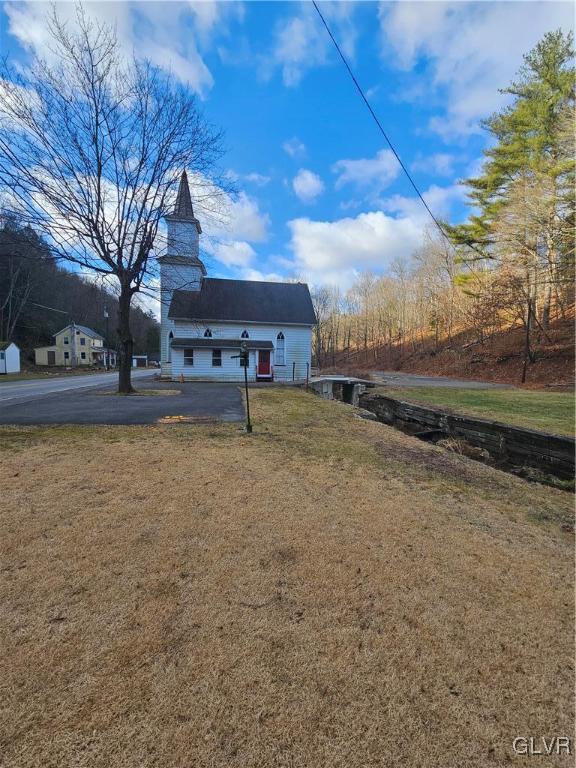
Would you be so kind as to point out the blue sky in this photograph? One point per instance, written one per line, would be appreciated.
(320, 196)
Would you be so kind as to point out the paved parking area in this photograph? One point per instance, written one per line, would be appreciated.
(99, 405)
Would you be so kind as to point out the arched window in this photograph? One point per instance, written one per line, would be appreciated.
(207, 333)
(169, 354)
(279, 357)
(244, 335)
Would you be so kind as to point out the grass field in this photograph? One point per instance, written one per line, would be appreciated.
(325, 592)
(545, 411)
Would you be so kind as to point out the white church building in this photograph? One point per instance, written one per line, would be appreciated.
(204, 319)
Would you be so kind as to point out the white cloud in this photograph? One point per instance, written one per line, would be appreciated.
(469, 50)
(334, 252)
(440, 164)
(307, 185)
(374, 173)
(145, 29)
(245, 220)
(439, 199)
(295, 148)
(301, 42)
(239, 223)
(234, 253)
(267, 277)
(257, 178)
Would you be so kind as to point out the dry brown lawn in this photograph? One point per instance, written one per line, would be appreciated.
(324, 592)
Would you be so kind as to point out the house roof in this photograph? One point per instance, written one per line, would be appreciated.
(245, 301)
(85, 330)
(179, 343)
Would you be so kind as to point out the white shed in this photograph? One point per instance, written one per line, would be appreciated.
(9, 357)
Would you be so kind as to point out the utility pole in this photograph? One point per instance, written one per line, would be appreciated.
(107, 353)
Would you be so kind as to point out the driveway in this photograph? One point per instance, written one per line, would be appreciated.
(32, 389)
(98, 404)
(399, 379)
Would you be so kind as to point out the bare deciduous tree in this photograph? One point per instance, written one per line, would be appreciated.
(91, 150)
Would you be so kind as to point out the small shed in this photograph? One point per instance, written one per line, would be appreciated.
(9, 357)
(139, 361)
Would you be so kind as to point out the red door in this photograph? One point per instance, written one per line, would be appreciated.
(263, 362)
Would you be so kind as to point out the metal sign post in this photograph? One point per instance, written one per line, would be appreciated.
(244, 357)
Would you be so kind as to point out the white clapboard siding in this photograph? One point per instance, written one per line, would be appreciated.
(297, 349)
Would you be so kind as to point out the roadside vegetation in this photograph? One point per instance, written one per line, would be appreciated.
(545, 411)
(325, 591)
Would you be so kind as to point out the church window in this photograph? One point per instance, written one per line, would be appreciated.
(216, 358)
(279, 356)
(207, 333)
(188, 357)
(169, 352)
(244, 335)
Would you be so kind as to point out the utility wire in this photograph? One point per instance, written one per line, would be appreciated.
(382, 131)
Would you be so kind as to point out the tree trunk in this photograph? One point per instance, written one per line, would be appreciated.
(126, 342)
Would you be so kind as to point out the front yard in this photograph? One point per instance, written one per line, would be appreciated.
(324, 592)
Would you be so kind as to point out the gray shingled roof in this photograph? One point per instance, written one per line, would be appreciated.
(245, 301)
(183, 207)
(179, 343)
(85, 330)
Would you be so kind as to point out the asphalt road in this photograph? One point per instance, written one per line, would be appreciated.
(399, 379)
(33, 389)
(97, 403)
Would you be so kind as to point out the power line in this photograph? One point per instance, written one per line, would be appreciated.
(382, 131)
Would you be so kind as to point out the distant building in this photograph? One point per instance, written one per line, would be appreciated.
(204, 320)
(9, 357)
(74, 346)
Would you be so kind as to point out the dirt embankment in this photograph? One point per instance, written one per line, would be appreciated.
(499, 358)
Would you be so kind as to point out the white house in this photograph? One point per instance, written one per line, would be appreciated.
(204, 320)
(9, 357)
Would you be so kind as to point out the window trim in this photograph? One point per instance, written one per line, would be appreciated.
(244, 334)
(216, 358)
(82, 341)
(83, 355)
(66, 340)
(189, 355)
(282, 348)
(208, 333)
(169, 350)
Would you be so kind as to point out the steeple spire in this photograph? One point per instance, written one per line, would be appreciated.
(183, 208)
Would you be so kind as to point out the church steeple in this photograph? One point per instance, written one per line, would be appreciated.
(183, 209)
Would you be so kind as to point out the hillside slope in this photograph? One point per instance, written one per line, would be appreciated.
(499, 358)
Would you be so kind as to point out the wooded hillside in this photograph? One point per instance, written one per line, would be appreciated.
(38, 297)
